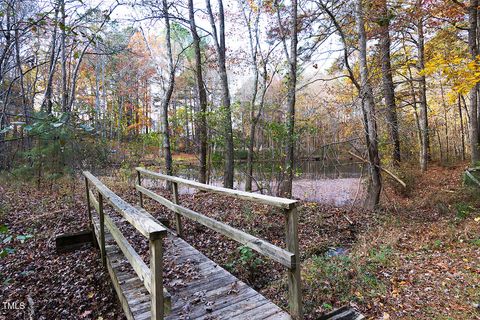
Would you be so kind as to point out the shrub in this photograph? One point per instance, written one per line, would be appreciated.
(59, 147)
(463, 210)
(407, 175)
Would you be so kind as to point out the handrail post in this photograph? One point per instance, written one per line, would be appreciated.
(294, 278)
(102, 229)
(156, 271)
(139, 179)
(178, 217)
(89, 208)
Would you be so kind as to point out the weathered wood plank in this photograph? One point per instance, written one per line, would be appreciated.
(140, 195)
(138, 265)
(71, 241)
(343, 313)
(260, 312)
(472, 177)
(133, 289)
(294, 277)
(278, 254)
(115, 281)
(93, 201)
(102, 230)
(156, 267)
(89, 209)
(178, 217)
(221, 294)
(255, 197)
(144, 225)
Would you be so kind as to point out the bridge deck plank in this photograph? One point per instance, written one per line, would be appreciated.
(212, 293)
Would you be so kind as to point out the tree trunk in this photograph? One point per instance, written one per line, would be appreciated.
(472, 45)
(253, 41)
(368, 107)
(202, 96)
(286, 186)
(388, 87)
(168, 92)
(47, 103)
(63, 39)
(221, 57)
(425, 146)
(445, 118)
(462, 130)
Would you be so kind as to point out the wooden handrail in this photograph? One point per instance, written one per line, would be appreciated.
(152, 277)
(261, 246)
(289, 257)
(143, 224)
(255, 197)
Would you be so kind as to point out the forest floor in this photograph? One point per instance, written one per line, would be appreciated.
(417, 258)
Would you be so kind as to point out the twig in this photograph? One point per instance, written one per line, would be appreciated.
(396, 178)
(358, 189)
(31, 308)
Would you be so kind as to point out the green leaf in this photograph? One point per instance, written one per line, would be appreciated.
(24, 237)
(6, 129)
(6, 251)
(7, 239)
(86, 127)
(3, 229)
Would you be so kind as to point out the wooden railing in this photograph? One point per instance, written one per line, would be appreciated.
(288, 257)
(152, 277)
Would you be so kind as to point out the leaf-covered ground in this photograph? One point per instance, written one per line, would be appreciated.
(41, 283)
(419, 258)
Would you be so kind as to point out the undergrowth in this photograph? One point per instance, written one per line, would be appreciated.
(333, 281)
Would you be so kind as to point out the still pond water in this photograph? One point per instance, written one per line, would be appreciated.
(337, 184)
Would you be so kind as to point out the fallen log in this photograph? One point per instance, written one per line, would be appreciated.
(391, 174)
(343, 313)
(472, 177)
(71, 241)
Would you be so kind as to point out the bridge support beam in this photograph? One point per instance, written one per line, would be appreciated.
(294, 278)
(156, 268)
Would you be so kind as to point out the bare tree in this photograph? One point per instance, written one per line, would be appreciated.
(219, 41)
(425, 145)
(473, 48)
(202, 95)
(368, 107)
(47, 103)
(387, 79)
(291, 54)
(168, 91)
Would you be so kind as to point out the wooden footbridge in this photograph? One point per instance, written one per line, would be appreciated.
(212, 292)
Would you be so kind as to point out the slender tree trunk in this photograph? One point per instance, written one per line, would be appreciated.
(168, 92)
(219, 40)
(445, 118)
(366, 94)
(253, 41)
(472, 45)
(425, 146)
(25, 102)
(462, 130)
(202, 96)
(287, 182)
(388, 87)
(47, 101)
(63, 39)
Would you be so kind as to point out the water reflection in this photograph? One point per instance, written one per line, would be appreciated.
(337, 184)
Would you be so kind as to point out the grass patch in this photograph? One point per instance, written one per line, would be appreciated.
(340, 279)
(463, 210)
(476, 242)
